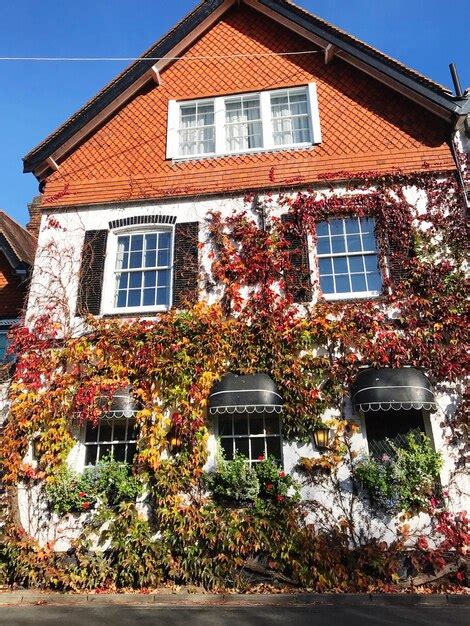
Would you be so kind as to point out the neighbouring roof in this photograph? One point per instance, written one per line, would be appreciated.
(349, 47)
(21, 243)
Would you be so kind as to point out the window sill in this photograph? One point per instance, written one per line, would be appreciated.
(226, 155)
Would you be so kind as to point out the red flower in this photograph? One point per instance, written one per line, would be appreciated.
(279, 498)
(261, 457)
(85, 506)
(282, 474)
(269, 486)
(82, 494)
(423, 543)
(460, 576)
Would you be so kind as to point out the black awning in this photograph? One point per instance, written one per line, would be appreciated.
(392, 389)
(245, 394)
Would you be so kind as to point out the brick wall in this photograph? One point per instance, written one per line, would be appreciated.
(365, 125)
(13, 290)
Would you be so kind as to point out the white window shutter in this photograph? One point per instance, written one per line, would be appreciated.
(314, 113)
(172, 130)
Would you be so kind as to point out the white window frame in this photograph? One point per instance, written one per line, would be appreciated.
(5, 326)
(350, 295)
(130, 421)
(109, 284)
(174, 107)
(264, 436)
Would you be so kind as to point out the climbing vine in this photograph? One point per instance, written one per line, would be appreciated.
(311, 350)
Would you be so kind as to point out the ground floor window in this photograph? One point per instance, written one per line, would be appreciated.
(111, 437)
(253, 435)
(384, 427)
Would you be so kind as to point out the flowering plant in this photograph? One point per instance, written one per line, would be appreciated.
(404, 480)
(275, 484)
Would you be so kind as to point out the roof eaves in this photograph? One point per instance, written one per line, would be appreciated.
(399, 72)
(19, 240)
(124, 80)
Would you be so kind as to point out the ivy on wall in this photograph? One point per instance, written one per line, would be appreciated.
(311, 351)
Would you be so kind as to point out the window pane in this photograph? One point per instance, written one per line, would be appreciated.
(242, 446)
(257, 447)
(227, 447)
(225, 426)
(337, 227)
(274, 447)
(150, 279)
(354, 243)
(119, 452)
(256, 426)
(131, 452)
(325, 266)
(119, 433)
(356, 263)
(149, 297)
(163, 296)
(137, 243)
(90, 455)
(240, 424)
(121, 299)
(104, 451)
(3, 346)
(273, 425)
(105, 430)
(151, 242)
(163, 258)
(368, 242)
(151, 258)
(367, 224)
(352, 225)
(134, 298)
(322, 229)
(135, 280)
(132, 430)
(163, 278)
(323, 246)
(358, 282)
(340, 265)
(371, 262)
(338, 245)
(374, 282)
(91, 432)
(342, 284)
(135, 260)
(326, 284)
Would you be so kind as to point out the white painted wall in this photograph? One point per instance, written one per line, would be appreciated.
(54, 289)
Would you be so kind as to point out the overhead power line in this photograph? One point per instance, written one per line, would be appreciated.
(176, 58)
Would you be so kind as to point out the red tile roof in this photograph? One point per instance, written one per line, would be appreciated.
(365, 125)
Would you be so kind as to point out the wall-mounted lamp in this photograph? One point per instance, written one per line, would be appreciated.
(322, 436)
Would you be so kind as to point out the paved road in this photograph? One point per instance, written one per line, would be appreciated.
(234, 616)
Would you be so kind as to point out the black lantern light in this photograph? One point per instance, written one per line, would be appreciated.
(322, 436)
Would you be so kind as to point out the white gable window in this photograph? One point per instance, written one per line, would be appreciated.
(196, 129)
(139, 274)
(269, 120)
(348, 258)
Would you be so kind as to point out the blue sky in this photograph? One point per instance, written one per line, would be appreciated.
(36, 96)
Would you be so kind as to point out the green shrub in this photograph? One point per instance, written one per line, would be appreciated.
(233, 480)
(71, 492)
(274, 483)
(405, 480)
(110, 482)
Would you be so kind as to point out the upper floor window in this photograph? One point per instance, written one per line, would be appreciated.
(3, 345)
(348, 258)
(269, 120)
(140, 268)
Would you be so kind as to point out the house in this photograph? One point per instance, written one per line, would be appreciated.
(248, 104)
(17, 249)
